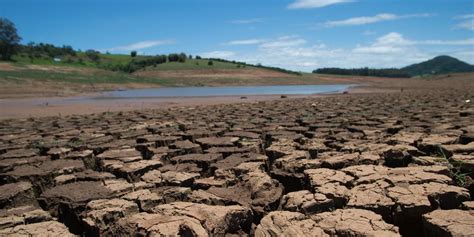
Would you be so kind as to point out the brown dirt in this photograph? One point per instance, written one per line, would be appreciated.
(214, 73)
(358, 164)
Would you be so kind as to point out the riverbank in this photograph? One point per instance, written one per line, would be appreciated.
(40, 106)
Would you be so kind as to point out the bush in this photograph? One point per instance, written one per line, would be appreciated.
(182, 57)
(173, 57)
(93, 55)
(210, 63)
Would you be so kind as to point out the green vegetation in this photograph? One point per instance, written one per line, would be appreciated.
(9, 39)
(391, 72)
(47, 54)
(438, 65)
(435, 66)
(98, 76)
(257, 66)
(459, 177)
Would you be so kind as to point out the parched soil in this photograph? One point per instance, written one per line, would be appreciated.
(379, 164)
(250, 73)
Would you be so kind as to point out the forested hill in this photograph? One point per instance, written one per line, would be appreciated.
(436, 66)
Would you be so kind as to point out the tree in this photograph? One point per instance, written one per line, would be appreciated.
(182, 57)
(173, 57)
(93, 55)
(133, 53)
(9, 39)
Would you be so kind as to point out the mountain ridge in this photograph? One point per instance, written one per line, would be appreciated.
(439, 65)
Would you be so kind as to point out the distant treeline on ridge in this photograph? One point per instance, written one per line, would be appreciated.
(256, 65)
(389, 72)
(439, 65)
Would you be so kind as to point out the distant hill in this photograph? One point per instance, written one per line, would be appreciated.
(438, 65)
(48, 54)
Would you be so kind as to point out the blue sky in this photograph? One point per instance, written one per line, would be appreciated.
(295, 34)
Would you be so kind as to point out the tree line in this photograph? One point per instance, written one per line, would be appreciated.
(139, 63)
(258, 65)
(387, 72)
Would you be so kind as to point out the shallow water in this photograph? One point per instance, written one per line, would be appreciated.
(225, 91)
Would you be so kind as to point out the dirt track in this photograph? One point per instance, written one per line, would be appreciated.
(380, 164)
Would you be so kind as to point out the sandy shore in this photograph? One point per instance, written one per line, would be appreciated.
(80, 104)
(86, 104)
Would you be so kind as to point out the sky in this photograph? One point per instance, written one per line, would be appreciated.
(295, 34)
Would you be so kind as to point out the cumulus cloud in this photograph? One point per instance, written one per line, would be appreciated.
(364, 20)
(389, 43)
(139, 45)
(395, 42)
(389, 50)
(304, 4)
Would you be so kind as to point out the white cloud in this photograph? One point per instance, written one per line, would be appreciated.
(393, 38)
(285, 41)
(139, 45)
(466, 55)
(244, 42)
(247, 21)
(467, 16)
(467, 25)
(302, 4)
(389, 50)
(363, 20)
(395, 42)
(218, 54)
(390, 43)
(448, 42)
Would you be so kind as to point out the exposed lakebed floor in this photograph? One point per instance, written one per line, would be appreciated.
(352, 165)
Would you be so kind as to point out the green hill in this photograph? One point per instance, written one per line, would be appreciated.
(438, 65)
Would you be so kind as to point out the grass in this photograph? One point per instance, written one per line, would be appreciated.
(194, 64)
(80, 74)
(114, 59)
(98, 77)
(459, 177)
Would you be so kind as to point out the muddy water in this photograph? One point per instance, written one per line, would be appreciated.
(224, 91)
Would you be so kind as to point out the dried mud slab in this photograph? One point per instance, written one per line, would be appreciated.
(385, 164)
(449, 223)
